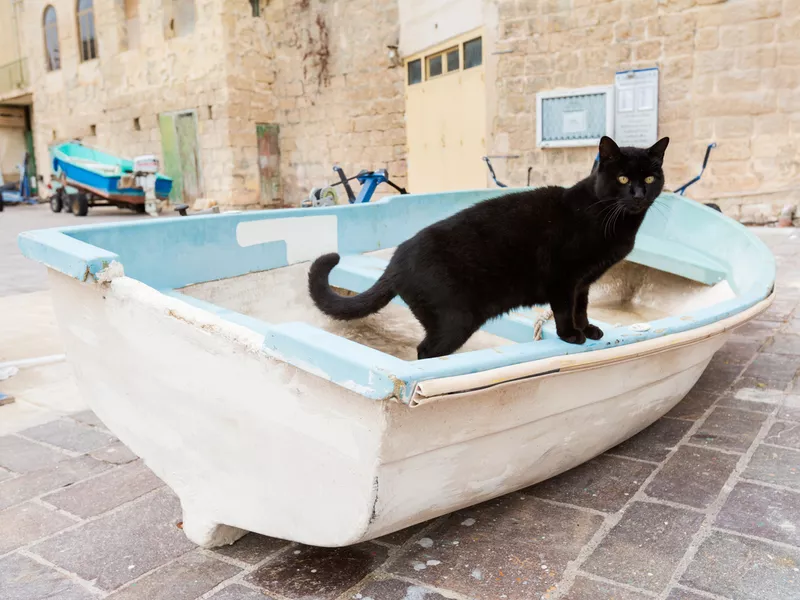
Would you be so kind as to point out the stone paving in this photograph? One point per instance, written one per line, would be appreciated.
(704, 504)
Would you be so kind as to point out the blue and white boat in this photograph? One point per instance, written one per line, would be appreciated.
(206, 356)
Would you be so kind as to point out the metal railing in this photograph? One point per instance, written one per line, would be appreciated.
(14, 76)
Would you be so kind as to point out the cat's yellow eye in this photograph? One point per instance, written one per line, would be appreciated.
(622, 179)
(649, 179)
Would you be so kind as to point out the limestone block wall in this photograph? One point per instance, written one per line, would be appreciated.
(730, 73)
(113, 102)
(320, 70)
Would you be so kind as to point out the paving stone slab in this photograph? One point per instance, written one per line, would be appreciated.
(252, 548)
(190, 576)
(679, 594)
(694, 405)
(772, 370)
(398, 538)
(114, 488)
(757, 331)
(36, 483)
(783, 343)
(590, 589)
(516, 547)
(762, 512)
(729, 429)
(736, 352)
(22, 578)
(744, 569)
(784, 433)
(116, 453)
(692, 476)
(70, 435)
(395, 589)
(87, 417)
(780, 466)
(655, 442)
(764, 400)
(122, 545)
(27, 523)
(718, 377)
(605, 483)
(645, 547)
(24, 456)
(790, 408)
(238, 592)
(319, 573)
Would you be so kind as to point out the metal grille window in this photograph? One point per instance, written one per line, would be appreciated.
(52, 49)
(87, 38)
(573, 117)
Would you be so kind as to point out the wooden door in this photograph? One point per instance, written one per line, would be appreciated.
(269, 164)
(446, 117)
(181, 154)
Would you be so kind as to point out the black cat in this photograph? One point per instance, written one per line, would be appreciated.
(535, 247)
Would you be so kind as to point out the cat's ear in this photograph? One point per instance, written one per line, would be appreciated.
(657, 150)
(609, 149)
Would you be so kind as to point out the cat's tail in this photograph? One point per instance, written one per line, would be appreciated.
(345, 308)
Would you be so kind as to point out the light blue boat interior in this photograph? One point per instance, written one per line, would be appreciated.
(681, 237)
(85, 166)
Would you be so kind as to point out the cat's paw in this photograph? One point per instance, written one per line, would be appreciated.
(593, 332)
(573, 337)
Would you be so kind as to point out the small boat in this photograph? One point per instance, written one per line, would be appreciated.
(205, 355)
(100, 179)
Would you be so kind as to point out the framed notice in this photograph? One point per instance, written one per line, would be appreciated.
(636, 107)
(574, 118)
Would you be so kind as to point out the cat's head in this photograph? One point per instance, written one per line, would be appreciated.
(631, 177)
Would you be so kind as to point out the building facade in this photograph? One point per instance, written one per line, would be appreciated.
(252, 103)
(15, 94)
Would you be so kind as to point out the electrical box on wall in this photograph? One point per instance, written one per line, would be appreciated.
(574, 118)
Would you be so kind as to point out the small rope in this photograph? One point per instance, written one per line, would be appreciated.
(540, 321)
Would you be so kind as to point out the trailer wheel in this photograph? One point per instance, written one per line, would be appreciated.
(57, 201)
(80, 205)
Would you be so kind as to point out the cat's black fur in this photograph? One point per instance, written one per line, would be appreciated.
(535, 247)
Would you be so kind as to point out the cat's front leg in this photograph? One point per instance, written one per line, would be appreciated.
(563, 304)
(593, 332)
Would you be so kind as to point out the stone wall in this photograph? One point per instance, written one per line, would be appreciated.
(113, 102)
(317, 69)
(320, 70)
(730, 73)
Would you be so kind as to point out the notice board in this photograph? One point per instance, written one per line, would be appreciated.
(636, 107)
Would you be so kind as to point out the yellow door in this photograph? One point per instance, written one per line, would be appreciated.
(446, 117)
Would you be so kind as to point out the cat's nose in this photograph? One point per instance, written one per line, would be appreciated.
(638, 194)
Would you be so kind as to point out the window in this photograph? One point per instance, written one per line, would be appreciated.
(86, 33)
(415, 72)
(473, 53)
(51, 47)
(255, 5)
(453, 60)
(132, 23)
(443, 62)
(434, 66)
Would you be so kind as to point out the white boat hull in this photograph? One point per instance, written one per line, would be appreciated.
(251, 443)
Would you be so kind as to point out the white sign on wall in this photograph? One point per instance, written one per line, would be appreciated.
(636, 110)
